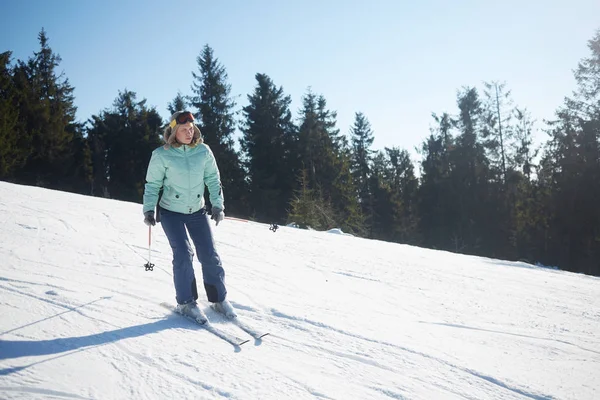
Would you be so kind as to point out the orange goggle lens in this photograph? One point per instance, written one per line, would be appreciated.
(182, 118)
(185, 117)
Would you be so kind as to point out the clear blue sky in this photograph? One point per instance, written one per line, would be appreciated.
(396, 61)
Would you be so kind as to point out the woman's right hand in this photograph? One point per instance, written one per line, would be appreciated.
(149, 218)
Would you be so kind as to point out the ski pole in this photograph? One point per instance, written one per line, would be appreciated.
(149, 266)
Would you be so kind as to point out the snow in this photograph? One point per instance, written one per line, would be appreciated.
(349, 318)
(338, 231)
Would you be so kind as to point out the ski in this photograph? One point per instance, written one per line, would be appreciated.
(229, 338)
(243, 325)
(255, 333)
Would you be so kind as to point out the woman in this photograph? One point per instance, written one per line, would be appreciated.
(181, 168)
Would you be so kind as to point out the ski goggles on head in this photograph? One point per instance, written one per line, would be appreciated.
(182, 118)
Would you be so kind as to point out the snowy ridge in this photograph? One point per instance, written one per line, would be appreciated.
(348, 318)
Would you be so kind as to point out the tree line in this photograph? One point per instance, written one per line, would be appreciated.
(483, 188)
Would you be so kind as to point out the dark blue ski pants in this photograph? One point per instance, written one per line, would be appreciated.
(176, 227)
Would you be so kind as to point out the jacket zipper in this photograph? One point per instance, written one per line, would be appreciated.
(187, 164)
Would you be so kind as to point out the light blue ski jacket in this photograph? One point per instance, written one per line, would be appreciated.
(182, 172)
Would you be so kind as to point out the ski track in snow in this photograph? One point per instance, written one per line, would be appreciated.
(512, 334)
(188, 381)
(13, 281)
(389, 393)
(44, 392)
(475, 374)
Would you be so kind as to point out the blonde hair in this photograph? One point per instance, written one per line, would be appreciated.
(171, 138)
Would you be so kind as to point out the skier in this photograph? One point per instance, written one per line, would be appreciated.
(181, 168)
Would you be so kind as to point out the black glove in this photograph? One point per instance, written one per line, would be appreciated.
(149, 218)
(217, 215)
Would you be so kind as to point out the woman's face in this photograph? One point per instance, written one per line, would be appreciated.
(185, 133)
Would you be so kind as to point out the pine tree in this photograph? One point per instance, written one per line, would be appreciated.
(384, 205)
(437, 199)
(400, 177)
(214, 105)
(316, 148)
(362, 140)
(519, 191)
(48, 115)
(58, 101)
(585, 101)
(308, 208)
(324, 156)
(469, 178)
(179, 103)
(498, 138)
(344, 197)
(12, 154)
(497, 132)
(122, 140)
(269, 144)
(336, 180)
(524, 153)
(570, 173)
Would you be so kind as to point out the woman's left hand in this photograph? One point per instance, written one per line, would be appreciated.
(217, 215)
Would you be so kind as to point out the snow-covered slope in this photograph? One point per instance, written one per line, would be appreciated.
(349, 318)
